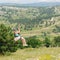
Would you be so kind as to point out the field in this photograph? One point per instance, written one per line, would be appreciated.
(41, 53)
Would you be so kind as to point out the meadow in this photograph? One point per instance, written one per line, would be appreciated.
(41, 53)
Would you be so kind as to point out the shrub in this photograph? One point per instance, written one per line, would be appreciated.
(7, 43)
(57, 41)
(47, 42)
(34, 42)
(19, 44)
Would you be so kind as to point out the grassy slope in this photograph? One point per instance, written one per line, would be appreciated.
(34, 54)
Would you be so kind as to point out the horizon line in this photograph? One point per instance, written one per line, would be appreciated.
(31, 2)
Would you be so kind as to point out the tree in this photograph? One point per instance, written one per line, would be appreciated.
(7, 43)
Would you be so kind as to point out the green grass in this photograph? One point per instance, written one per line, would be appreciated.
(42, 53)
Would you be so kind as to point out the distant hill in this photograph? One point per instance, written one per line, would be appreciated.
(33, 4)
(43, 4)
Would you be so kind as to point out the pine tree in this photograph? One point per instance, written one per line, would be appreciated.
(7, 43)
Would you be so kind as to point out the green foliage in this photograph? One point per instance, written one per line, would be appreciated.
(34, 42)
(7, 43)
(19, 44)
(57, 41)
(47, 42)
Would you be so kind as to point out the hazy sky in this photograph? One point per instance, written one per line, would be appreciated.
(27, 1)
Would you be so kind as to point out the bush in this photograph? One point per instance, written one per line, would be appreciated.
(33, 42)
(7, 43)
(19, 44)
(57, 41)
(47, 42)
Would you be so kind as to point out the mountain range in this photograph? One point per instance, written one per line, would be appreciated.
(33, 4)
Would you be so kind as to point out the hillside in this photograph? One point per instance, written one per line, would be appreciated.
(33, 20)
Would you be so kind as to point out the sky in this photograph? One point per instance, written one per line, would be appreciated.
(27, 1)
